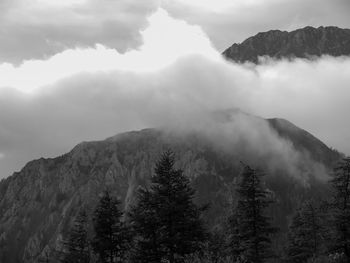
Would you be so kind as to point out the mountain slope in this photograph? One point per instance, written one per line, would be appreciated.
(302, 43)
(38, 203)
(304, 141)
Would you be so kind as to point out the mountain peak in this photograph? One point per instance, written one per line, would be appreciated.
(38, 203)
(306, 42)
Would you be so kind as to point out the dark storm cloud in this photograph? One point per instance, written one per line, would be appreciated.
(34, 29)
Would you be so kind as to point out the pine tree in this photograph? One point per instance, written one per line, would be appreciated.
(252, 227)
(167, 221)
(341, 186)
(305, 235)
(234, 242)
(76, 247)
(111, 238)
(216, 249)
(145, 224)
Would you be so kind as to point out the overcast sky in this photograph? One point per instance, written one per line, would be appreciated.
(77, 70)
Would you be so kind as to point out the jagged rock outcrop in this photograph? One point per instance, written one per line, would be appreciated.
(307, 42)
(38, 203)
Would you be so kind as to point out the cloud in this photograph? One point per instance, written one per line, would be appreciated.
(179, 98)
(178, 87)
(227, 22)
(312, 94)
(41, 28)
(161, 47)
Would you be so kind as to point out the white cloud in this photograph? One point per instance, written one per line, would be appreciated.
(219, 5)
(232, 21)
(165, 40)
(61, 3)
(175, 79)
(38, 29)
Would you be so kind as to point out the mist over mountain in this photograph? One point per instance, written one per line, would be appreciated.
(38, 203)
(307, 42)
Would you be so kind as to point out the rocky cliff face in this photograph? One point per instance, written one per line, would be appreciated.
(307, 42)
(38, 203)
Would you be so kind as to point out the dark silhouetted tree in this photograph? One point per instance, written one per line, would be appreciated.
(145, 224)
(306, 234)
(251, 227)
(216, 248)
(168, 211)
(341, 206)
(234, 242)
(76, 247)
(111, 240)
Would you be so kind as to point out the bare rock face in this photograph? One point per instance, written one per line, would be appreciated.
(307, 42)
(38, 203)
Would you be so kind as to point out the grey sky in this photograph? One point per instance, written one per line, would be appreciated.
(94, 105)
(39, 30)
(32, 29)
(246, 18)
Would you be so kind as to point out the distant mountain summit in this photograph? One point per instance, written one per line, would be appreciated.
(307, 42)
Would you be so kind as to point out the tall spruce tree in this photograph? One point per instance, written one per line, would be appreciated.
(234, 243)
(252, 228)
(76, 247)
(341, 186)
(145, 224)
(216, 249)
(111, 238)
(306, 235)
(168, 210)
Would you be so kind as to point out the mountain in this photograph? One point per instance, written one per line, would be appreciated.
(304, 141)
(38, 203)
(307, 42)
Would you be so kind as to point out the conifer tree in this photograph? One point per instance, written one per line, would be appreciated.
(234, 242)
(145, 224)
(111, 238)
(167, 221)
(216, 249)
(252, 226)
(77, 245)
(305, 235)
(341, 186)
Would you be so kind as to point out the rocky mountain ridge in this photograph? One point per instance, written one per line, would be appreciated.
(308, 42)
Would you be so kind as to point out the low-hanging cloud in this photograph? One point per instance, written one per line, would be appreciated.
(181, 94)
